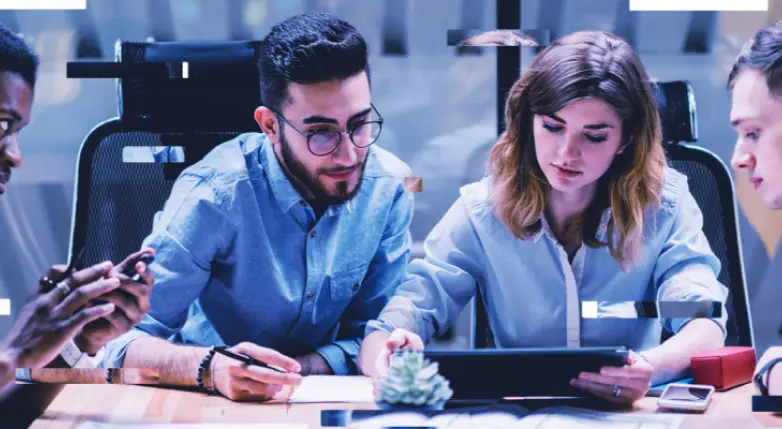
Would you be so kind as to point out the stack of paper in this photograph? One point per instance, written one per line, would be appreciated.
(329, 388)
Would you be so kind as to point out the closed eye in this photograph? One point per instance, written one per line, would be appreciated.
(753, 135)
(552, 128)
(596, 139)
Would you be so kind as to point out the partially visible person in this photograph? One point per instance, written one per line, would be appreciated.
(500, 38)
(64, 315)
(579, 206)
(755, 82)
(280, 245)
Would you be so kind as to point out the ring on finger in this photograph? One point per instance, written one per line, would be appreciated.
(63, 289)
(617, 391)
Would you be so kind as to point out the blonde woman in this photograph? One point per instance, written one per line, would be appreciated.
(579, 206)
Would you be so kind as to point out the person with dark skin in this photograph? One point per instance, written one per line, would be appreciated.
(65, 314)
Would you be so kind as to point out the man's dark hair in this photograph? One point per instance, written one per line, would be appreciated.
(16, 56)
(762, 53)
(309, 48)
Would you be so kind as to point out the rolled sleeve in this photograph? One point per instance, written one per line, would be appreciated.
(24, 374)
(339, 356)
(687, 269)
(437, 288)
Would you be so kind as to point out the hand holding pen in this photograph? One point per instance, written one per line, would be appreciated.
(249, 372)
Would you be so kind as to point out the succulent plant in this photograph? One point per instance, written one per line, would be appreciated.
(413, 380)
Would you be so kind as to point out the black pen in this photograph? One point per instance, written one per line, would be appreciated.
(247, 359)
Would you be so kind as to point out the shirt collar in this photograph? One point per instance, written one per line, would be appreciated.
(602, 228)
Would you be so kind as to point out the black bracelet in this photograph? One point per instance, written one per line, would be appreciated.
(201, 368)
(766, 369)
(109, 374)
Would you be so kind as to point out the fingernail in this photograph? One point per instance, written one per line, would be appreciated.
(106, 265)
(573, 381)
(107, 307)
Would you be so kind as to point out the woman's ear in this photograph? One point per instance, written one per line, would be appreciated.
(623, 146)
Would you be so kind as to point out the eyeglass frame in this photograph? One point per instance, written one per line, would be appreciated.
(349, 132)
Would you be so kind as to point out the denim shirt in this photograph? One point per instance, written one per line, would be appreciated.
(533, 293)
(240, 256)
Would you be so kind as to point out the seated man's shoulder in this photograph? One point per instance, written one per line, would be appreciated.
(228, 163)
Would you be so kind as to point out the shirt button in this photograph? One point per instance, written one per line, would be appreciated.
(312, 234)
(355, 286)
(302, 203)
(310, 295)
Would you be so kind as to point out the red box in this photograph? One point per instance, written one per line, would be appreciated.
(724, 368)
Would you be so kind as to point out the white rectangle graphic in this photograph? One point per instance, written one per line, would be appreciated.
(699, 5)
(43, 4)
(589, 309)
(5, 307)
(185, 70)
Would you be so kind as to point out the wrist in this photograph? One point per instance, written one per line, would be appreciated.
(85, 346)
(10, 358)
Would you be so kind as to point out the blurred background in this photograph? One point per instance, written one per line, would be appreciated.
(439, 102)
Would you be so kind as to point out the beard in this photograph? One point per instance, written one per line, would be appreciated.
(313, 183)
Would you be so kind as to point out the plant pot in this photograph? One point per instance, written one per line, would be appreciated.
(438, 406)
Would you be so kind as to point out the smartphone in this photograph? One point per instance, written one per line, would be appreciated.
(130, 270)
(679, 396)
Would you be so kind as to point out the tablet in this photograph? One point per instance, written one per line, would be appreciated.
(498, 373)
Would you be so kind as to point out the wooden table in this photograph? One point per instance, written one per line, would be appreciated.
(148, 404)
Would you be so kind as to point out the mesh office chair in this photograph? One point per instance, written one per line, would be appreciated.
(115, 201)
(712, 187)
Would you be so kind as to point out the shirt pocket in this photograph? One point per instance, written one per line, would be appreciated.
(345, 284)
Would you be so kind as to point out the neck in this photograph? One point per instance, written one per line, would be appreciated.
(564, 207)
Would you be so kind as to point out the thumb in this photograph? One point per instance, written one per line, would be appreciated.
(397, 340)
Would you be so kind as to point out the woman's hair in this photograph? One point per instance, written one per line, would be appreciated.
(499, 38)
(589, 64)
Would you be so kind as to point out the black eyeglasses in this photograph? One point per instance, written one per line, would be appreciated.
(324, 142)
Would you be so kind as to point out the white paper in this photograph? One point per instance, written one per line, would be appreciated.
(332, 388)
(210, 425)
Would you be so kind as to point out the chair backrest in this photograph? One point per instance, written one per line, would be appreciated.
(711, 184)
(115, 201)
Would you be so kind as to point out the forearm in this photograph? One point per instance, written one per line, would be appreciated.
(370, 350)
(176, 365)
(671, 360)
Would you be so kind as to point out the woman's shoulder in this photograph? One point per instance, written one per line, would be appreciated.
(477, 195)
(675, 188)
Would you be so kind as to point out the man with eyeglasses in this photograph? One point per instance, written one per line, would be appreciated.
(279, 246)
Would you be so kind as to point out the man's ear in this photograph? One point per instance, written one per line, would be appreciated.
(267, 121)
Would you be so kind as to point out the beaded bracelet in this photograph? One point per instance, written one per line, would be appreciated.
(109, 374)
(201, 368)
